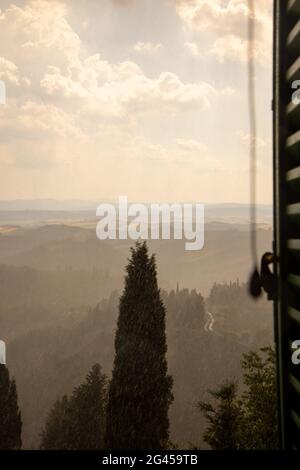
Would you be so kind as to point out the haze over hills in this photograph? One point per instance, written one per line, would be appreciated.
(225, 255)
(50, 359)
(45, 210)
(55, 276)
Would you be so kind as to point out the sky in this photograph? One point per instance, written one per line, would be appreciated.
(143, 98)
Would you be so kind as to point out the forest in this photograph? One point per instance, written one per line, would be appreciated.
(62, 331)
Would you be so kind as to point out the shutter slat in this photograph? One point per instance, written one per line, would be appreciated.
(294, 244)
(295, 316)
(293, 210)
(293, 114)
(293, 146)
(293, 176)
(295, 383)
(295, 418)
(294, 40)
(293, 7)
(293, 72)
(294, 279)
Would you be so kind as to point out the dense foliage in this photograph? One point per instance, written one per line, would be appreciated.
(140, 389)
(78, 422)
(10, 415)
(249, 421)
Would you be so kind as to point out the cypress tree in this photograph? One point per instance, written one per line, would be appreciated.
(56, 434)
(10, 415)
(78, 422)
(140, 389)
(88, 411)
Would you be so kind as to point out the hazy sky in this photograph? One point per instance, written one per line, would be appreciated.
(144, 98)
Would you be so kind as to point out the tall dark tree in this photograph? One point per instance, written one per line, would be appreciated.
(248, 422)
(140, 389)
(88, 411)
(57, 433)
(259, 400)
(78, 422)
(10, 415)
(223, 430)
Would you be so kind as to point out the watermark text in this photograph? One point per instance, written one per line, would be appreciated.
(152, 221)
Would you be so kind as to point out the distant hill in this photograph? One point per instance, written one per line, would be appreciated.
(22, 212)
(58, 247)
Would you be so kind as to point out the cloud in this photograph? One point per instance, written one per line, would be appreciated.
(87, 109)
(73, 96)
(245, 138)
(38, 118)
(49, 51)
(213, 15)
(191, 145)
(147, 47)
(223, 17)
(36, 134)
(118, 89)
(229, 47)
(226, 23)
(10, 72)
(124, 3)
(40, 25)
(193, 48)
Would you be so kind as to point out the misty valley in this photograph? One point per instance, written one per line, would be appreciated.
(60, 289)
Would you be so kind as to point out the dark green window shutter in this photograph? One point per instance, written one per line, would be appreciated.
(287, 212)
